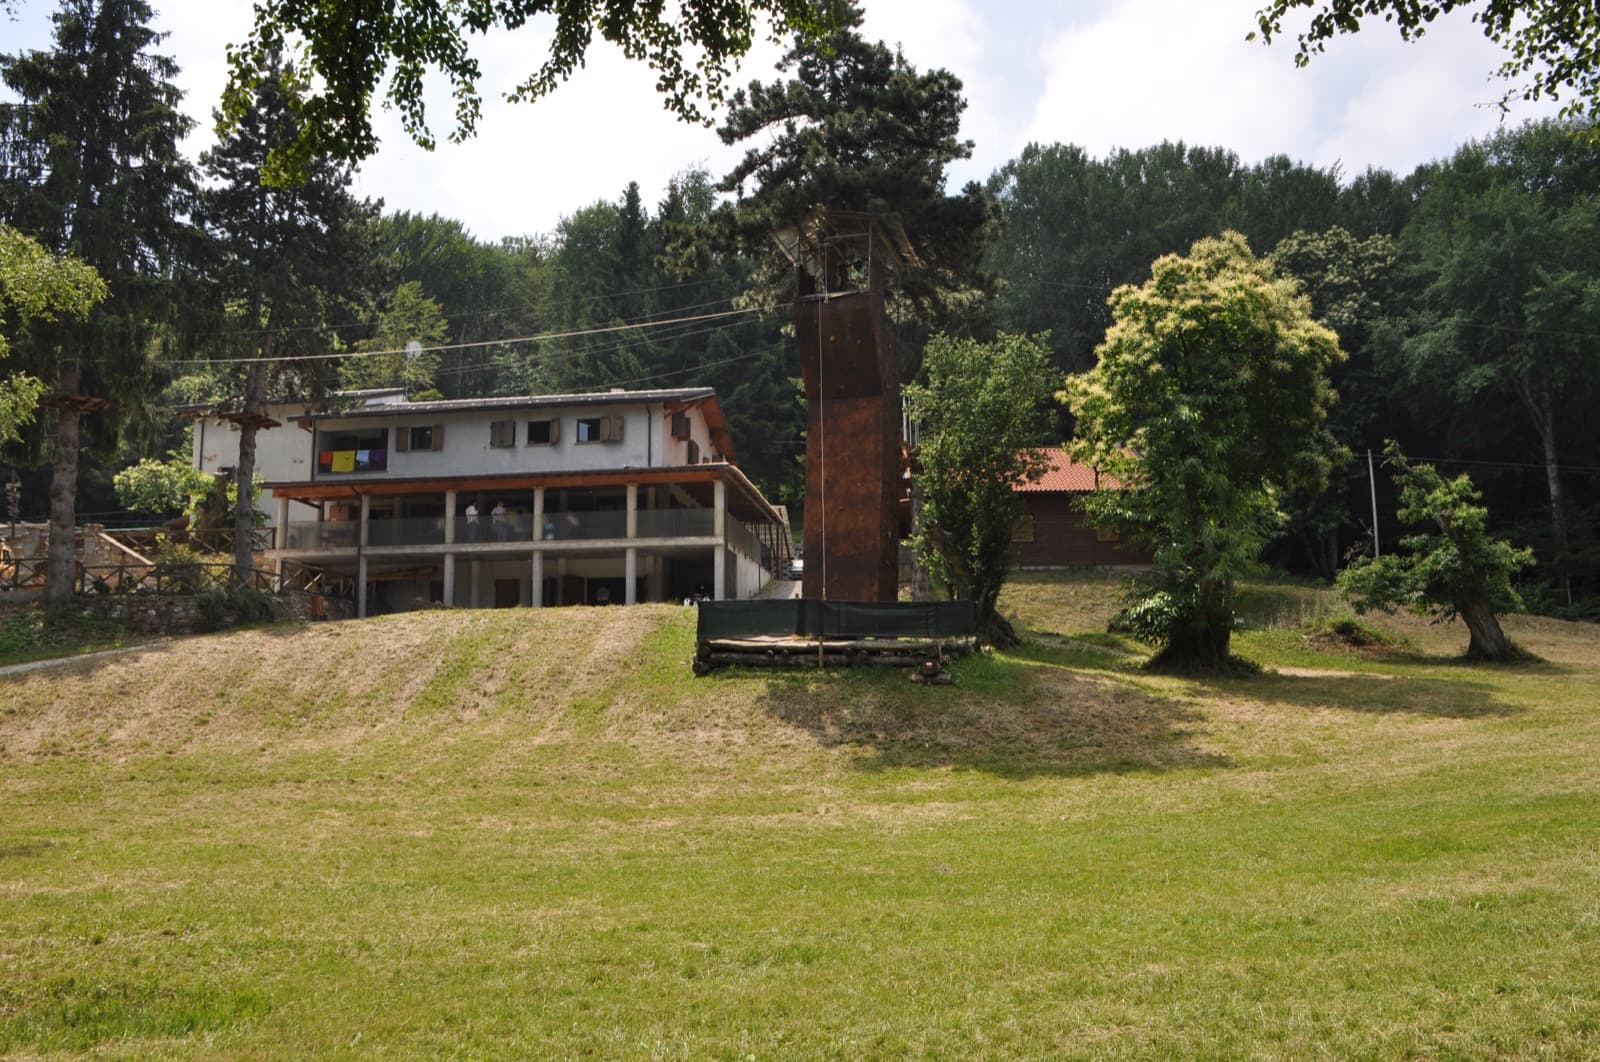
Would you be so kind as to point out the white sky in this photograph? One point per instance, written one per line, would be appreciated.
(1114, 73)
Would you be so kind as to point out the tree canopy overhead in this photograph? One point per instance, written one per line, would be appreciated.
(1553, 46)
(351, 48)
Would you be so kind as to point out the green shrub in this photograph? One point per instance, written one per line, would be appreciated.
(216, 608)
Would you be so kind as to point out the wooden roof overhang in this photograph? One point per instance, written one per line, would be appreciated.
(239, 419)
(744, 499)
(76, 402)
(716, 423)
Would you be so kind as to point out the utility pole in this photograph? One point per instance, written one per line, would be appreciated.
(1372, 483)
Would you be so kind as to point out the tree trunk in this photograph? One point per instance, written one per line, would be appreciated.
(998, 632)
(61, 571)
(1206, 641)
(1488, 641)
(1552, 475)
(1540, 405)
(244, 474)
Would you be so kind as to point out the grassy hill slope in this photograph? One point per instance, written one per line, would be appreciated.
(534, 832)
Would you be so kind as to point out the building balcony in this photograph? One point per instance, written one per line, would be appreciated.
(516, 529)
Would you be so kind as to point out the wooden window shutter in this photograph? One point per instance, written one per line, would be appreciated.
(555, 430)
(402, 439)
(438, 436)
(611, 428)
(680, 425)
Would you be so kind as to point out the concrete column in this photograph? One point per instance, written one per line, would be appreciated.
(561, 579)
(538, 576)
(449, 517)
(633, 513)
(719, 496)
(658, 577)
(472, 591)
(361, 585)
(282, 537)
(366, 514)
(450, 580)
(719, 570)
(538, 526)
(630, 572)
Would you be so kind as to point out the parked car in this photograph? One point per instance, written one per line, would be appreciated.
(796, 569)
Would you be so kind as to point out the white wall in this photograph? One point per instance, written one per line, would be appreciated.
(283, 454)
(677, 450)
(752, 577)
(467, 452)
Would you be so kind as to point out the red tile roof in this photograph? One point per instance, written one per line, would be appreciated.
(1063, 474)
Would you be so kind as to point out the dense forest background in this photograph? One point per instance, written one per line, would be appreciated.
(1466, 294)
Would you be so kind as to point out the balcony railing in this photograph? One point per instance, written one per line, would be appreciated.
(743, 539)
(514, 527)
(319, 535)
(585, 526)
(676, 523)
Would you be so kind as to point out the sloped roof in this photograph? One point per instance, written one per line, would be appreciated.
(1064, 475)
(475, 405)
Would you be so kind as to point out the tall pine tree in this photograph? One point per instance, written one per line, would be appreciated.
(857, 128)
(288, 259)
(90, 167)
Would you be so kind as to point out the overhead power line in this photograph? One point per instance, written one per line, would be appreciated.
(605, 330)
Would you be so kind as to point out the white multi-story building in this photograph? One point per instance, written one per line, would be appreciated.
(611, 497)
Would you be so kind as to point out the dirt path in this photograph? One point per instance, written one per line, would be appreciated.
(59, 661)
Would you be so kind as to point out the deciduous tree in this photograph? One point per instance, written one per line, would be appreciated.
(1458, 570)
(35, 286)
(1207, 404)
(383, 360)
(1553, 46)
(351, 48)
(984, 410)
(1508, 239)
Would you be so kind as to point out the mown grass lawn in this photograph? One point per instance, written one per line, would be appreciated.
(535, 833)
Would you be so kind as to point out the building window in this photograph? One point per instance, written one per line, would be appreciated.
(680, 425)
(503, 433)
(694, 452)
(1022, 530)
(600, 429)
(353, 452)
(429, 438)
(543, 432)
